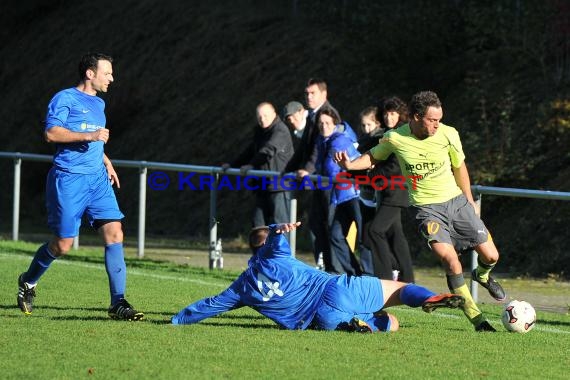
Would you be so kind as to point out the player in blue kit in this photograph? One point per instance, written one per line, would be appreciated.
(80, 182)
(297, 296)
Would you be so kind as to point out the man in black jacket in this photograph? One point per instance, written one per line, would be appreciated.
(271, 149)
(303, 162)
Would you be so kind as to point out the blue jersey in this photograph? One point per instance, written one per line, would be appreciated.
(275, 284)
(78, 112)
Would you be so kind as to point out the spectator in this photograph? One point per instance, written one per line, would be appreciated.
(335, 211)
(316, 94)
(270, 149)
(295, 116)
(370, 134)
(385, 233)
(303, 161)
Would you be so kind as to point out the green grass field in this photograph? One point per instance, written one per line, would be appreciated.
(69, 335)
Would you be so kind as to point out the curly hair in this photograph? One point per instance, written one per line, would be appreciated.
(393, 103)
(421, 101)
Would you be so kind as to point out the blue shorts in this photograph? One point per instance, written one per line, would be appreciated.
(70, 195)
(346, 297)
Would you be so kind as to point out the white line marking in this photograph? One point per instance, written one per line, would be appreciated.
(136, 272)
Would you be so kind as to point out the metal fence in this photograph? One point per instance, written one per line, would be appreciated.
(215, 254)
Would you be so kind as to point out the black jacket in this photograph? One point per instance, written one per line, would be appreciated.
(387, 168)
(271, 149)
(306, 156)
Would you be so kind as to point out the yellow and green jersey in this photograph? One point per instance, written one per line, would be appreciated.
(429, 160)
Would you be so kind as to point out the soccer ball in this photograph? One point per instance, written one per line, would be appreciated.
(519, 316)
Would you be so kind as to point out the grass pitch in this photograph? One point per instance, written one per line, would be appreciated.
(69, 335)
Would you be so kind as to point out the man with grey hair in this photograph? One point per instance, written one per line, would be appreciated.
(270, 149)
(295, 116)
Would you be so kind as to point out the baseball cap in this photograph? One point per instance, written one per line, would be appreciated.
(291, 108)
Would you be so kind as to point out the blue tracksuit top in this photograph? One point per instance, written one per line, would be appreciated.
(277, 285)
(340, 140)
(78, 112)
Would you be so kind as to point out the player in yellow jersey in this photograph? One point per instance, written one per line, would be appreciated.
(432, 159)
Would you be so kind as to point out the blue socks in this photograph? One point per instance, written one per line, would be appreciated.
(41, 262)
(414, 295)
(116, 270)
(114, 264)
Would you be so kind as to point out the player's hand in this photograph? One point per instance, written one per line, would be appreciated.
(112, 174)
(301, 173)
(286, 227)
(245, 168)
(102, 134)
(341, 158)
(477, 208)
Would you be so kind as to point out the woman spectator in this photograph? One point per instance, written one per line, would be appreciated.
(385, 233)
(336, 213)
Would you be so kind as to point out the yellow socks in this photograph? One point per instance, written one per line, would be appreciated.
(483, 270)
(456, 284)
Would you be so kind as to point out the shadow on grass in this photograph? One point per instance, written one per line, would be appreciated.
(78, 318)
(21, 251)
(226, 320)
(242, 325)
(160, 317)
(233, 316)
(552, 323)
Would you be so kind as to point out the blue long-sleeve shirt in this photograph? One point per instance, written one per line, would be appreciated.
(275, 284)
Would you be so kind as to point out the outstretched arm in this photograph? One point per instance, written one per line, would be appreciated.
(208, 307)
(286, 227)
(275, 243)
(363, 162)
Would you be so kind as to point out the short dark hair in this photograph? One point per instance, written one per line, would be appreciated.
(321, 83)
(394, 104)
(421, 101)
(329, 111)
(89, 61)
(257, 237)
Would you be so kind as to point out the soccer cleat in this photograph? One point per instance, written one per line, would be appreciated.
(495, 289)
(26, 294)
(452, 301)
(124, 310)
(359, 326)
(485, 327)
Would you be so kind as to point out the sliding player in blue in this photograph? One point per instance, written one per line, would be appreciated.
(80, 182)
(297, 296)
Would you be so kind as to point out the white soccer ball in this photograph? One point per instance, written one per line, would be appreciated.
(519, 317)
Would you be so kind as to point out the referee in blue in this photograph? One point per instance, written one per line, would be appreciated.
(297, 296)
(80, 182)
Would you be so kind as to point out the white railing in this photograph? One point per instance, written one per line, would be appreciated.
(215, 253)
